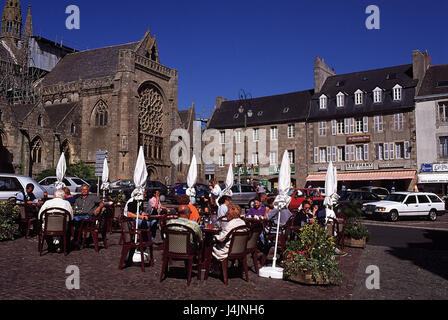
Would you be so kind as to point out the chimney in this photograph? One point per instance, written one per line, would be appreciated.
(420, 63)
(321, 72)
(219, 101)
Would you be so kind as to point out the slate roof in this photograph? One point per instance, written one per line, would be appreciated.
(435, 81)
(366, 81)
(20, 111)
(283, 108)
(57, 112)
(90, 64)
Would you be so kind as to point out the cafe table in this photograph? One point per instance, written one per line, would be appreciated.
(208, 233)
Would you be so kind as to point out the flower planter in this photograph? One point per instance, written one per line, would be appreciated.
(306, 278)
(353, 243)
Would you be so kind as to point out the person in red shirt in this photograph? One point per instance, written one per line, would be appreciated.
(185, 200)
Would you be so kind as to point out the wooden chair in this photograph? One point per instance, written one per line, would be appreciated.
(27, 218)
(95, 225)
(55, 222)
(177, 246)
(252, 243)
(238, 238)
(128, 234)
(117, 214)
(337, 227)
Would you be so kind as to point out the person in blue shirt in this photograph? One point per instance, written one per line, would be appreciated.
(28, 196)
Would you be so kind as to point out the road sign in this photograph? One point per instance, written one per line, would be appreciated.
(100, 156)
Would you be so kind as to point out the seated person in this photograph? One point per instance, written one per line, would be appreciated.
(272, 216)
(68, 196)
(130, 211)
(184, 219)
(257, 210)
(321, 214)
(221, 249)
(154, 202)
(304, 216)
(45, 198)
(87, 203)
(57, 202)
(269, 206)
(185, 200)
(28, 196)
(224, 203)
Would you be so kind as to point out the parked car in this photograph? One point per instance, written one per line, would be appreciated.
(118, 186)
(298, 195)
(11, 185)
(360, 196)
(73, 183)
(380, 192)
(179, 189)
(152, 186)
(243, 194)
(406, 204)
(93, 185)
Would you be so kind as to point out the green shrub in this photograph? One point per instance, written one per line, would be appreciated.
(356, 230)
(79, 169)
(8, 215)
(313, 252)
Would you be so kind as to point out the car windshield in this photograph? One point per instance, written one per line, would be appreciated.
(396, 197)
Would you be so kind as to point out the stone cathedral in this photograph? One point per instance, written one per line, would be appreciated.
(114, 98)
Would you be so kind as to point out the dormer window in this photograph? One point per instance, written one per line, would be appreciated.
(323, 102)
(397, 92)
(340, 99)
(358, 97)
(377, 95)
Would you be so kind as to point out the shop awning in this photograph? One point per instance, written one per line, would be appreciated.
(433, 178)
(366, 176)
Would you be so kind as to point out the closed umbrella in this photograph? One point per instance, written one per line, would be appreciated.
(140, 176)
(105, 177)
(329, 185)
(229, 184)
(60, 172)
(191, 178)
(281, 202)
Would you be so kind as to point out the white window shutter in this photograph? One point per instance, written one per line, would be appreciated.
(316, 155)
(366, 152)
(334, 154)
(407, 154)
(386, 151)
(365, 121)
(328, 154)
(333, 127)
(392, 151)
(352, 125)
(347, 126)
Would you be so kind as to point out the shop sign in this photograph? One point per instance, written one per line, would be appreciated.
(359, 166)
(426, 168)
(209, 168)
(358, 139)
(440, 167)
(276, 170)
(247, 171)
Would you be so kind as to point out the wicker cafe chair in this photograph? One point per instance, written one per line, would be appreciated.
(128, 234)
(27, 218)
(238, 238)
(55, 223)
(177, 246)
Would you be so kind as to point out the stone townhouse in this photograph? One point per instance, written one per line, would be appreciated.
(254, 134)
(365, 123)
(431, 110)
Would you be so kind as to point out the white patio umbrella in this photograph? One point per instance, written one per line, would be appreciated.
(280, 202)
(60, 172)
(229, 184)
(331, 196)
(140, 176)
(192, 177)
(105, 177)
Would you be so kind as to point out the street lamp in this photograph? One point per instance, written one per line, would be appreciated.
(244, 103)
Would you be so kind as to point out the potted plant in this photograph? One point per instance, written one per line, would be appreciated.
(9, 213)
(310, 259)
(119, 199)
(356, 233)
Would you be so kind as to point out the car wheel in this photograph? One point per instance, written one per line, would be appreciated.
(393, 215)
(432, 215)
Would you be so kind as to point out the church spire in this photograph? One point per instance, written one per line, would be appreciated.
(28, 29)
(12, 21)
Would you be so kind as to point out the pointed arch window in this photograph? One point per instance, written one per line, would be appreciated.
(36, 151)
(39, 121)
(101, 114)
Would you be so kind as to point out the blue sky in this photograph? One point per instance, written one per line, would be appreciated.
(263, 47)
